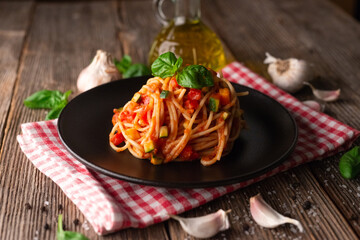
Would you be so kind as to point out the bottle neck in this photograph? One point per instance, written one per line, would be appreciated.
(187, 11)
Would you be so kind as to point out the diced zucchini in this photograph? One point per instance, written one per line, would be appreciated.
(164, 133)
(164, 94)
(149, 146)
(225, 115)
(136, 98)
(214, 104)
(132, 133)
(156, 159)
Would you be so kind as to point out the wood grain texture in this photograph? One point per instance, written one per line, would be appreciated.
(14, 21)
(288, 193)
(64, 36)
(62, 40)
(320, 33)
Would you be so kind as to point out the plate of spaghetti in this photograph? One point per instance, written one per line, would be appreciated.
(155, 131)
(165, 122)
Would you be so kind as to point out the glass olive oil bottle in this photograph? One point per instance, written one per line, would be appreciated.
(187, 36)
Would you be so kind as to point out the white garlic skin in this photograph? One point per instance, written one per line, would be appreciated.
(324, 95)
(205, 226)
(264, 215)
(101, 70)
(289, 74)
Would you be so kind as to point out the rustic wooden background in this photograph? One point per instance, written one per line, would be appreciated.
(46, 44)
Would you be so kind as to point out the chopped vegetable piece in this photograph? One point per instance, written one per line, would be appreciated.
(194, 94)
(191, 104)
(225, 115)
(156, 159)
(164, 133)
(188, 154)
(136, 98)
(224, 96)
(174, 83)
(117, 139)
(214, 104)
(132, 133)
(149, 146)
(164, 94)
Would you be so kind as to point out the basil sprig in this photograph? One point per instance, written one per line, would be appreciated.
(128, 69)
(67, 235)
(47, 99)
(166, 65)
(349, 164)
(193, 76)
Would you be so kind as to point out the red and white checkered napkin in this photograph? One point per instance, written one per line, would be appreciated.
(110, 204)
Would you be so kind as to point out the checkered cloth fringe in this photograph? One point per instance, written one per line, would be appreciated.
(110, 204)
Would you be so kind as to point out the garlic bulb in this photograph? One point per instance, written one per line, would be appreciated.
(101, 70)
(326, 96)
(205, 226)
(288, 74)
(266, 216)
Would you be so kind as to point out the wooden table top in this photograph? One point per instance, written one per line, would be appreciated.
(44, 45)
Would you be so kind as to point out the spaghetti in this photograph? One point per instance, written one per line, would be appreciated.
(166, 122)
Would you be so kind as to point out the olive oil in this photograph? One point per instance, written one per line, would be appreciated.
(191, 40)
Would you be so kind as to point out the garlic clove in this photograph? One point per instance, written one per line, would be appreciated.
(314, 105)
(101, 70)
(288, 74)
(324, 95)
(205, 226)
(266, 216)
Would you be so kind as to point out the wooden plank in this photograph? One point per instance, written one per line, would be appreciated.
(14, 18)
(62, 40)
(295, 193)
(312, 30)
(339, 54)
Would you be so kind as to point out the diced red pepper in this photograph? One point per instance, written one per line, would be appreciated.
(191, 104)
(194, 94)
(174, 83)
(143, 116)
(127, 116)
(117, 139)
(188, 154)
(144, 100)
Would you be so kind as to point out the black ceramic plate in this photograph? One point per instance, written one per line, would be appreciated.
(85, 123)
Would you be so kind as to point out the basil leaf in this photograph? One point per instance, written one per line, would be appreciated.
(54, 100)
(44, 99)
(124, 64)
(55, 112)
(349, 164)
(195, 76)
(67, 235)
(166, 65)
(137, 70)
